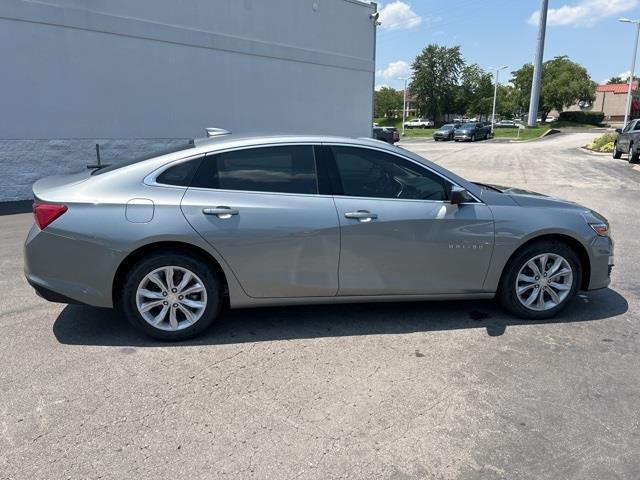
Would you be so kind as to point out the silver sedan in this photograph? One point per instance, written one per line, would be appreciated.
(255, 221)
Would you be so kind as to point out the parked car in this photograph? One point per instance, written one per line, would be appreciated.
(419, 123)
(628, 141)
(472, 132)
(386, 134)
(284, 220)
(506, 124)
(445, 132)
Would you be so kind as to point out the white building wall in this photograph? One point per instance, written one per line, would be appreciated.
(135, 75)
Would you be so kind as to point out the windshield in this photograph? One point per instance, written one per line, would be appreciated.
(469, 125)
(158, 153)
(447, 127)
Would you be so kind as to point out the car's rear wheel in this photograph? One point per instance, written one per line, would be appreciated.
(540, 280)
(633, 154)
(616, 153)
(171, 296)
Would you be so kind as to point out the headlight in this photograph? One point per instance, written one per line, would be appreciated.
(602, 229)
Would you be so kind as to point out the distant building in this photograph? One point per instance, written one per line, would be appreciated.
(611, 100)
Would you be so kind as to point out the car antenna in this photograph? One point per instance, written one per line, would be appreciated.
(99, 163)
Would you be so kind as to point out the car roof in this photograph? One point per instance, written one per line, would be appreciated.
(222, 142)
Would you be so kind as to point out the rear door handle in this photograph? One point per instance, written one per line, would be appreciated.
(221, 212)
(362, 215)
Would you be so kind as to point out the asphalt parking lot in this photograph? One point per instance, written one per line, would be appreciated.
(455, 390)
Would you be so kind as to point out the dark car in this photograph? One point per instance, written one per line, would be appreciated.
(472, 132)
(386, 134)
(445, 132)
(628, 141)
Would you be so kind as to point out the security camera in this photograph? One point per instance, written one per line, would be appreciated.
(374, 16)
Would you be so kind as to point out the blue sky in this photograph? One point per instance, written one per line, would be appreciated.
(504, 32)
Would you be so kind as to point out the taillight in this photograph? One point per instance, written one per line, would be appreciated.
(46, 213)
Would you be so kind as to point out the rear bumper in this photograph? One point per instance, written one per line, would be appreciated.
(50, 295)
(70, 270)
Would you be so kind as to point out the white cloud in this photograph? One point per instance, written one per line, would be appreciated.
(399, 16)
(395, 70)
(584, 13)
(380, 87)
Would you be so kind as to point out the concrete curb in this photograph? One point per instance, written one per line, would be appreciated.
(591, 152)
(15, 207)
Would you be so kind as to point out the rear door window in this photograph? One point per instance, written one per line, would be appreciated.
(277, 169)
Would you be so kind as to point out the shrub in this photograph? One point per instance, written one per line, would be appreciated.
(589, 118)
(607, 147)
(603, 143)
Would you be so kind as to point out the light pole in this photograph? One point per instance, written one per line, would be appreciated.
(537, 66)
(495, 95)
(404, 102)
(633, 67)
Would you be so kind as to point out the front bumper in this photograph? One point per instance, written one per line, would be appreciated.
(602, 262)
(441, 136)
(462, 136)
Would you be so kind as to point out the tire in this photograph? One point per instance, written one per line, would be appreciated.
(510, 281)
(633, 155)
(616, 153)
(137, 280)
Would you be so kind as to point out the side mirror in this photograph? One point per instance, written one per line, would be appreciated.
(458, 195)
(618, 130)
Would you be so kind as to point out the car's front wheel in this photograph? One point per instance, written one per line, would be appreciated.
(171, 296)
(540, 280)
(616, 153)
(633, 154)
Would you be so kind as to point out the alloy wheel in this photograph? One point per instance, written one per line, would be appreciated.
(544, 282)
(171, 298)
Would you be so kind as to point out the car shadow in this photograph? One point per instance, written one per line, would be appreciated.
(82, 325)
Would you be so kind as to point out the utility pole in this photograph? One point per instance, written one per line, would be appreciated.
(537, 66)
(633, 68)
(404, 103)
(495, 95)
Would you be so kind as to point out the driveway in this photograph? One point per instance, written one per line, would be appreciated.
(455, 390)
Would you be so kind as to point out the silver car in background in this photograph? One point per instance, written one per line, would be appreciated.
(283, 220)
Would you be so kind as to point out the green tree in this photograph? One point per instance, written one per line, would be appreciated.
(507, 104)
(475, 95)
(387, 101)
(564, 83)
(618, 79)
(435, 77)
(521, 80)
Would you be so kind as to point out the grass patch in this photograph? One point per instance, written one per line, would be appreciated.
(525, 133)
(562, 124)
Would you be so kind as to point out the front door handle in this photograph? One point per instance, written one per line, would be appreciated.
(362, 215)
(221, 212)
